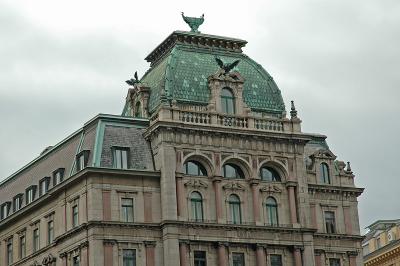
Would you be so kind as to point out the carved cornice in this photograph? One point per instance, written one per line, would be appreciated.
(270, 189)
(345, 191)
(234, 186)
(195, 183)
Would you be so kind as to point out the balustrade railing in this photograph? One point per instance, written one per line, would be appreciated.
(268, 124)
(232, 121)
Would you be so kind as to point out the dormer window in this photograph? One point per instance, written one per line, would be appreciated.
(82, 160)
(227, 101)
(120, 157)
(324, 173)
(5, 210)
(44, 185)
(17, 202)
(138, 109)
(30, 194)
(58, 176)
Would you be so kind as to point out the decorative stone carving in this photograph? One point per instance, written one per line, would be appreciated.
(233, 186)
(48, 261)
(271, 189)
(323, 154)
(196, 184)
(35, 263)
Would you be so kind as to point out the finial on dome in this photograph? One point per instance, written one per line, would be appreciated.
(293, 112)
(193, 22)
(348, 167)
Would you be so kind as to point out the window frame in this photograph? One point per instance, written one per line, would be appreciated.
(22, 246)
(46, 181)
(201, 170)
(36, 239)
(235, 209)
(239, 174)
(279, 263)
(335, 261)
(82, 157)
(58, 176)
(270, 208)
(242, 261)
(9, 251)
(330, 222)
(227, 100)
(133, 257)
(20, 198)
(32, 189)
(114, 151)
(124, 218)
(50, 232)
(272, 171)
(199, 260)
(5, 210)
(75, 213)
(196, 205)
(324, 174)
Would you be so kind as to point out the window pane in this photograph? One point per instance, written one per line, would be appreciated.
(22, 247)
(334, 262)
(127, 209)
(330, 222)
(76, 261)
(9, 252)
(129, 257)
(124, 158)
(227, 101)
(75, 211)
(232, 171)
(235, 211)
(276, 260)
(238, 259)
(324, 172)
(269, 174)
(50, 232)
(36, 239)
(200, 258)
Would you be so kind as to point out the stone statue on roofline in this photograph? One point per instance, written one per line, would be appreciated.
(193, 22)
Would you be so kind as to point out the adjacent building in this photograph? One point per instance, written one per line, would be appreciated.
(381, 245)
(203, 167)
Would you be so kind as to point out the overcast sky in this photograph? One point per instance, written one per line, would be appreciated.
(63, 62)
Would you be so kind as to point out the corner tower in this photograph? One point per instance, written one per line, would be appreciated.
(240, 182)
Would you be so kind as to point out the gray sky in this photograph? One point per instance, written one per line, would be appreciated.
(63, 62)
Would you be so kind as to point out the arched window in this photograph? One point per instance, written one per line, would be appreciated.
(194, 168)
(230, 170)
(138, 110)
(196, 201)
(324, 173)
(272, 211)
(234, 209)
(269, 174)
(227, 101)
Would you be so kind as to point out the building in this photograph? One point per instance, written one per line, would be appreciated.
(381, 245)
(203, 167)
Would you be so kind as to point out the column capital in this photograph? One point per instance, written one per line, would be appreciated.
(109, 242)
(184, 242)
(217, 178)
(352, 253)
(290, 183)
(297, 247)
(225, 244)
(149, 243)
(254, 181)
(318, 251)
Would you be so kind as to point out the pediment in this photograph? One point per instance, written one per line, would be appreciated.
(323, 154)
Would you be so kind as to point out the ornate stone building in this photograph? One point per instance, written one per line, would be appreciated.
(203, 167)
(381, 246)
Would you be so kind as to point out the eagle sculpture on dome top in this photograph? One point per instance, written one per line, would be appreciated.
(226, 67)
(193, 22)
(134, 81)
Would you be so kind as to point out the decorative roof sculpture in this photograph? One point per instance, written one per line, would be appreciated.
(132, 81)
(193, 22)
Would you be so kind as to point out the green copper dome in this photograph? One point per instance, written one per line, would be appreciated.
(181, 65)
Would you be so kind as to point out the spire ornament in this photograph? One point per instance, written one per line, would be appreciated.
(293, 111)
(193, 22)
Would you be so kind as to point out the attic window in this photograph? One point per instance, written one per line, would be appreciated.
(44, 185)
(30, 194)
(17, 202)
(324, 173)
(120, 156)
(82, 159)
(5, 210)
(227, 101)
(58, 176)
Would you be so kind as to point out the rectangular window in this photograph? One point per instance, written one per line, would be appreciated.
(334, 262)
(5, 210)
(17, 202)
(44, 186)
(50, 232)
(76, 261)
(75, 217)
(120, 157)
(200, 258)
(22, 246)
(129, 257)
(36, 240)
(127, 209)
(237, 259)
(330, 222)
(30, 194)
(276, 260)
(58, 176)
(9, 251)
(82, 160)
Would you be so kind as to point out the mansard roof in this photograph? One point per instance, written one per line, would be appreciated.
(181, 64)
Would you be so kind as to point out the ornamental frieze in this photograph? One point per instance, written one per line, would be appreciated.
(271, 189)
(196, 184)
(233, 186)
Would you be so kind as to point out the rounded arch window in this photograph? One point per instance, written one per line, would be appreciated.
(138, 109)
(230, 170)
(269, 174)
(272, 211)
(196, 201)
(227, 101)
(235, 209)
(194, 168)
(324, 173)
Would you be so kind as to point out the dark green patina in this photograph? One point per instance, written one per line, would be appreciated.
(180, 72)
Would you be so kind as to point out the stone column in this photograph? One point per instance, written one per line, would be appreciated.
(297, 256)
(150, 255)
(148, 207)
(84, 256)
(292, 203)
(222, 254)
(106, 205)
(108, 253)
(255, 196)
(180, 195)
(352, 258)
(313, 216)
(218, 199)
(347, 220)
(63, 257)
(318, 257)
(183, 253)
(261, 259)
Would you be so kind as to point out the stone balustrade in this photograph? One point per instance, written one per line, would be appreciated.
(225, 120)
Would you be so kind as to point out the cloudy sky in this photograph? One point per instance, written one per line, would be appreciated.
(63, 62)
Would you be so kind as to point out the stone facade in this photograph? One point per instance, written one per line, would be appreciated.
(129, 194)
